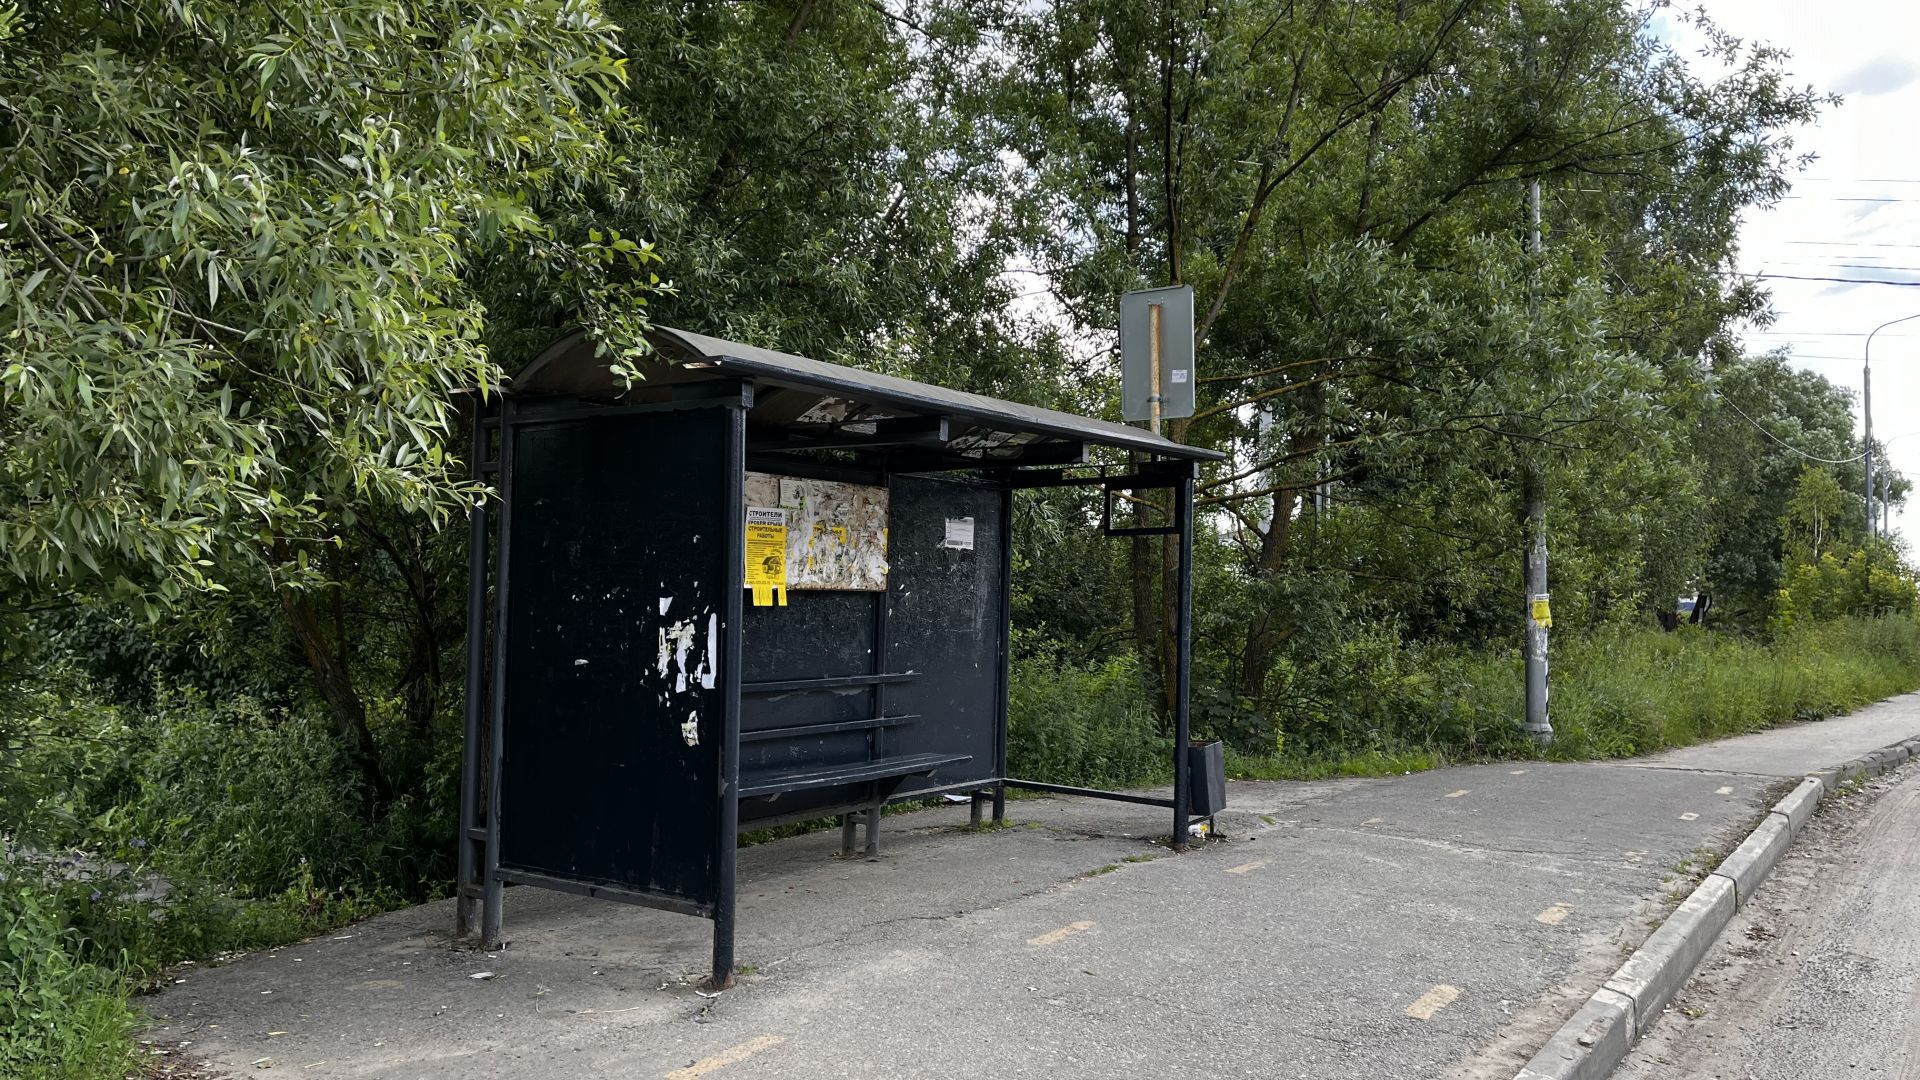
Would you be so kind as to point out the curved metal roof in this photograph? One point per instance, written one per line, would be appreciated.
(821, 396)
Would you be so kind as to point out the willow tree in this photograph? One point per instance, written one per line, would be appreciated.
(1344, 186)
(232, 282)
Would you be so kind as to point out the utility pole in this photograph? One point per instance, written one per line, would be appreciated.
(1866, 410)
(1539, 611)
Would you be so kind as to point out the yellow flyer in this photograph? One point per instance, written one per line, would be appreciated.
(767, 555)
(1542, 611)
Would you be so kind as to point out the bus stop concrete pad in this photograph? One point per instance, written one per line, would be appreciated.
(1436, 925)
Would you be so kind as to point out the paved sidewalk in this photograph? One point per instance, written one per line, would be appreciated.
(1435, 925)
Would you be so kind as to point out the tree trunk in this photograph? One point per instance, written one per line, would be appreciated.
(336, 689)
(1264, 638)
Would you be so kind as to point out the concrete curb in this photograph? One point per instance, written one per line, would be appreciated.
(1596, 1040)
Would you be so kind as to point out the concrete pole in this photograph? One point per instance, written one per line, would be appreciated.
(1539, 725)
(1866, 413)
(1866, 409)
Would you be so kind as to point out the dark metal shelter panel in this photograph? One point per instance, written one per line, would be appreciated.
(636, 712)
(615, 705)
(944, 601)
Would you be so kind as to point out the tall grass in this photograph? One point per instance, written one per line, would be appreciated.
(1623, 693)
(1375, 707)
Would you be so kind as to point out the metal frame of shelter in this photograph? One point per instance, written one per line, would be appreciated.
(595, 763)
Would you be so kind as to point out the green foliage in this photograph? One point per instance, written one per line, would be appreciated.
(1082, 723)
(61, 1018)
(1814, 515)
(1625, 692)
(231, 284)
(1871, 581)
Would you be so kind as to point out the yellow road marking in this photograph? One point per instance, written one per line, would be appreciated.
(1688, 817)
(1247, 867)
(1518, 772)
(732, 1055)
(1055, 937)
(1723, 791)
(1554, 914)
(1432, 1001)
(1373, 821)
(1457, 794)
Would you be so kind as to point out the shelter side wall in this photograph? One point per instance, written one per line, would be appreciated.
(944, 621)
(615, 705)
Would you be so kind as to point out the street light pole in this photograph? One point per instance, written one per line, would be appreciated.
(1866, 410)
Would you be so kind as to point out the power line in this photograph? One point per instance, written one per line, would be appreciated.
(1841, 265)
(1842, 280)
(1818, 333)
(1785, 443)
(1850, 243)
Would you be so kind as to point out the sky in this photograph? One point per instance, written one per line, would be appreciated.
(1854, 213)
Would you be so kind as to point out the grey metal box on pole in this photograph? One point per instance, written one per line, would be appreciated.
(1156, 354)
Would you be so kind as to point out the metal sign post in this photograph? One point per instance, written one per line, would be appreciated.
(1156, 355)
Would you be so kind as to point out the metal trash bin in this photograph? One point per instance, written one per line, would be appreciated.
(1207, 779)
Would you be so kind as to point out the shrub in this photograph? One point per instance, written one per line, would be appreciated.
(1083, 723)
(1870, 582)
(61, 1018)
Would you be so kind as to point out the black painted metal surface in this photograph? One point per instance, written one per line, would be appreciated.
(572, 367)
(943, 619)
(614, 632)
(929, 694)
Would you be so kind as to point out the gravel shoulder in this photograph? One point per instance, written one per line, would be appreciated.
(1818, 977)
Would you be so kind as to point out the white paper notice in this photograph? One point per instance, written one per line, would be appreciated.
(959, 534)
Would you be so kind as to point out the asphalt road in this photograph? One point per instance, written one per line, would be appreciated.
(1440, 925)
(1819, 976)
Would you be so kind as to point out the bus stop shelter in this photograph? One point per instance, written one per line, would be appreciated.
(754, 588)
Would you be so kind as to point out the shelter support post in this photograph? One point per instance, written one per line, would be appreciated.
(1183, 663)
(1006, 655)
(491, 886)
(473, 852)
(726, 839)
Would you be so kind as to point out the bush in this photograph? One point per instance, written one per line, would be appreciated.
(1870, 582)
(61, 1018)
(1083, 723)
(1625, 692)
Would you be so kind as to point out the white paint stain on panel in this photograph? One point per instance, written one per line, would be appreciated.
(686, 664)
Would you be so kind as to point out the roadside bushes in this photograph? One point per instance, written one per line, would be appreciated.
(61, 1018)
(1865, 582)
(1623, 692)
(1374, 704)
(1083, 723)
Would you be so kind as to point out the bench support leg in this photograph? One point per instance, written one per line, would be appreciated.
(846, 835)
(873, 829)
(999, 803)
(974, 811)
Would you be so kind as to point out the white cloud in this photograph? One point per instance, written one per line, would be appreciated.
(1857, 206)
(1881, 75)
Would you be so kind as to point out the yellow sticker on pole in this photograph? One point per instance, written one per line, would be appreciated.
(767, 555)
(1542, 611)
